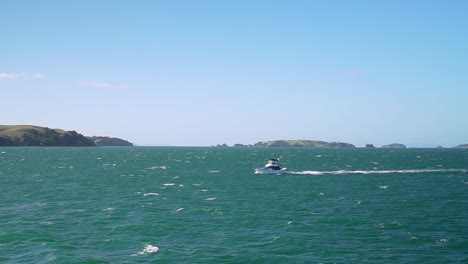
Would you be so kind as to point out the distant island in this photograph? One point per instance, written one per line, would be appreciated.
(27, 135)
(303, 143)
(315, 144)
(394, 145)
(293, 144)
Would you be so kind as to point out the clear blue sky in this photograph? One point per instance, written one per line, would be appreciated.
(209, 72)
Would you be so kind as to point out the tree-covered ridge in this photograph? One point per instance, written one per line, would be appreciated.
(25, 135)
(303, 143)
(108, 141)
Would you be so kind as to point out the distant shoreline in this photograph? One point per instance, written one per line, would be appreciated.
(323, 144)
(30, 136)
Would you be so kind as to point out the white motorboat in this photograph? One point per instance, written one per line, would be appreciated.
(272, 167)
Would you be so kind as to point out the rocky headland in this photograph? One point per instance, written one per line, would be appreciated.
(109, 141)
(27, 135)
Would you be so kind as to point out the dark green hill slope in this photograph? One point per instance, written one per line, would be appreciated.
(26, 135)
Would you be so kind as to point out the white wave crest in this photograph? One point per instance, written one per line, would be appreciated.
(146, 194)
(148, 249)
(157, 167)
(340, 172)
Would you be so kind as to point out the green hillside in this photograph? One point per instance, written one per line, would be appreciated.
(26, 135)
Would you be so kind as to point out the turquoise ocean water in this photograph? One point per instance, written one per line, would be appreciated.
(205, 205)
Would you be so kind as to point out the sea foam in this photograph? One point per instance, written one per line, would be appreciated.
(340, 172)
(148, 249)
(157, 167)
(146, 194)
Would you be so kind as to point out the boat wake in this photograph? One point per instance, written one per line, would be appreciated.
(342, 172)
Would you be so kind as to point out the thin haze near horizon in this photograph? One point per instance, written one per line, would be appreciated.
(198, 73)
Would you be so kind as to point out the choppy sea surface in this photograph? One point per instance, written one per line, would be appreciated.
(206, 205)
